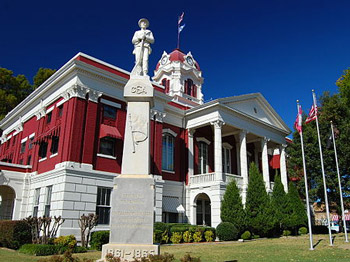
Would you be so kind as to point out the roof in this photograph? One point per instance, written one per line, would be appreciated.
(178, 55)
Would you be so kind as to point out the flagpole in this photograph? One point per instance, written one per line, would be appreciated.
(306, 184)
(340, 190)
(178, 37)
(323, 174)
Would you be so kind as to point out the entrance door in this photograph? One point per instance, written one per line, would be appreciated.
(203, 210)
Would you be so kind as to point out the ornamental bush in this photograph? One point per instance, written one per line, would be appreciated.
(209, 236)
(302, 231)
(246, 235)
(176, 237)
(98, 239)
(198, 236)
(66, 241)
(226, 231)
(286, 233)
(14, 233)
(187, 237)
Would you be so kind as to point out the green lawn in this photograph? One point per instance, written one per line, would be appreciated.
(279, 249)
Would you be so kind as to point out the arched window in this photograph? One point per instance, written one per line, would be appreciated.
(203, 158)
(166, 84)
(168, 147)
(188, 87)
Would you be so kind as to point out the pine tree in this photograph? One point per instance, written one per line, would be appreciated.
(296, 210)
(260, 214)
(279, 203)
(232, 208)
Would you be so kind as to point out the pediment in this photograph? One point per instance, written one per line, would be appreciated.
(257, 107)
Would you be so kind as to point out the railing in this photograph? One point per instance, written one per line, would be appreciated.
(211, 177)
(202, 178)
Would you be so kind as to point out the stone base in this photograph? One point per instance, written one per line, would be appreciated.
(128, 252)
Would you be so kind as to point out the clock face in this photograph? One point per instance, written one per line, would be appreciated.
(164, 60)
(189, 60)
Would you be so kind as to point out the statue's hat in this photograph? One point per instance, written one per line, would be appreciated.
(143, 20)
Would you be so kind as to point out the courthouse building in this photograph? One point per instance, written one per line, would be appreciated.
(62, 146)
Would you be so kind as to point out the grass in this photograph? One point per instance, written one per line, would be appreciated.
(278, 249)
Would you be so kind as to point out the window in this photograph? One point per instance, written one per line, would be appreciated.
(107, 146)
(203, 158)
(48, 117)
(54, 145)
(168, 152)
(29, 159)
(188, 87)
(23, 147)
(48, 201)
(109, 111)
(21, 161)
(43, 150)
(30, 144)
(60, 111)
(226, 159)
(103, 205)
(36, 202)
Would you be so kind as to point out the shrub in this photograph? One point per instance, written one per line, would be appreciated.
(188, 258)
(181, 228)
(157, 236)
(209, 236)
(176, 237)
(246, 235)
(165, 236)
(160, 226)
(99, 238)
(67, 257)
(302, 230)
(14, 233)
(286, 233)
(198, 236)
(187, 236)
(226, 231)
(66, 241)
(39, 249)
(255, 236)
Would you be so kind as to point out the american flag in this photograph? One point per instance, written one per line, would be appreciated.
(312, 114)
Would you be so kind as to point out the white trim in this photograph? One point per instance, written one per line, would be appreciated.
(110, 103)
(203, 139)
(61, 102)
(167, 171)
(31, 135)
(15, 165)
(227, 145)
(53, 155)
(24, 140)
(169, 131)
(42, 159)
(9, 137)
(106, 156)
(50, 109)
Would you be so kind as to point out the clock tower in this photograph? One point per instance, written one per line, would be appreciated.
(181, 76)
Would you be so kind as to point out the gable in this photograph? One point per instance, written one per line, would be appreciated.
(257, 107)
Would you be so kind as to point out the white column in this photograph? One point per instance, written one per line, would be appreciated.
(218, 149)
(283, 167)
(190, 153)
(265, 163)
(243, 163)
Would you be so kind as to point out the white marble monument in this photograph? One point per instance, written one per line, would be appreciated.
(132, 212)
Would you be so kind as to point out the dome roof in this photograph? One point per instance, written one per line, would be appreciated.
(178, 55)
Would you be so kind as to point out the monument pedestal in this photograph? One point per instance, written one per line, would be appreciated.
(131, 234)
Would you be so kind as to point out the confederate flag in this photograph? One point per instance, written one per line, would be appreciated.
(312, 114)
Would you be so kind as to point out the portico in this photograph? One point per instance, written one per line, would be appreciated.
(222, 142)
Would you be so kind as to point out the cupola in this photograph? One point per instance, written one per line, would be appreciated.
(180, 74)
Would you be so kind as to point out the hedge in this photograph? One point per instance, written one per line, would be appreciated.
(48, 250)
(14, 233)
(227, 231)
(99, 238)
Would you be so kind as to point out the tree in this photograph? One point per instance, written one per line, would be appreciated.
(279, 203)
(260, 214)
(332, 108)
(295, 210)
(232, 208)
(42, 75)
(13, 89)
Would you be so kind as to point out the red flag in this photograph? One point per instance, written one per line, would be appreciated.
(299, 121)
(312, 114)
(181, 18)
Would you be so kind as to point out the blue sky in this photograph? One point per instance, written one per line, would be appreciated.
(280, 48)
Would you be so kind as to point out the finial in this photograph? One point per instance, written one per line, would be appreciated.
(297, 100)
(313, 90)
